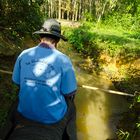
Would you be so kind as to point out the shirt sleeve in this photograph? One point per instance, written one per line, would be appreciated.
(68, 81)
(16, 72)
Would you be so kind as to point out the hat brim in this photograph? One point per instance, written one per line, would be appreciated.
(50, 33)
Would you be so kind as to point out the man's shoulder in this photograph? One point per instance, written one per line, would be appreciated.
(24, 52)
(62, 56)
(29, 49)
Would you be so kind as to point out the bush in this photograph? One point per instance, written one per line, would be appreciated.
(89, 40)
(123, 21)
(19, 18)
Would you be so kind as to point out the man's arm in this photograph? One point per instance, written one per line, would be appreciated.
(70, 96)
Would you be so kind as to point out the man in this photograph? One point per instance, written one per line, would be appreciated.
(47, 85)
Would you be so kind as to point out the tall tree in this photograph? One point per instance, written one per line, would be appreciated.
(59, 15)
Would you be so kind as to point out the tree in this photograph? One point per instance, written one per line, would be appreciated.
(20, 17)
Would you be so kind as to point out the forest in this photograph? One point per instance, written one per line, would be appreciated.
(105, 33)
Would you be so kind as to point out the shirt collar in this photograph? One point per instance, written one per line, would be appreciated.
(44, 45)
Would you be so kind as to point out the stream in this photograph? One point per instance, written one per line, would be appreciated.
(98, 112)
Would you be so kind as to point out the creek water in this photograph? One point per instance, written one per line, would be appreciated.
(98, 112)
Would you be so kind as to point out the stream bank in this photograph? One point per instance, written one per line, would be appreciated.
(98, 112)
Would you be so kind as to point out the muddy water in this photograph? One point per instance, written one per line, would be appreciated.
(98, 112)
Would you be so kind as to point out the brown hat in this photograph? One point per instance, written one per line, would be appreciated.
(51, 27)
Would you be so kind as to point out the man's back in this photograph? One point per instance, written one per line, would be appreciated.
(42, 83)
(47, 86)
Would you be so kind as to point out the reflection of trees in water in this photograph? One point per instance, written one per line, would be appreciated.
(97, 111)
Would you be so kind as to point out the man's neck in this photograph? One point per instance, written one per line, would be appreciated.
(47, 44)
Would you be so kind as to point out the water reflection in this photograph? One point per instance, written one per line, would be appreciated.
(97, 112)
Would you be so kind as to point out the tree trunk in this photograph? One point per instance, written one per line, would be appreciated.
(51, 8)
(74, 10)
(102, 11)
(90, 7)
(94, 9)
(80, 10)
(59, 15)
(68, 16)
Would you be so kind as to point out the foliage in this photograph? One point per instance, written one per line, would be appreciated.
(8, 94)
(89, 17)
(5, 109)
(132, 131)
(121, 45)
(123, 135)
(3, 117)
(91, 40)
(123, 21)
(19, 18)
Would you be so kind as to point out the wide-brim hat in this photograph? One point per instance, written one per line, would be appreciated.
(51, 27)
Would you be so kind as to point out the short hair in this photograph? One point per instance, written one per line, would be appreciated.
(51, 38)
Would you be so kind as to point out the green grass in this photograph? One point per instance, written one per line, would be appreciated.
(121, 45)
(114, 42)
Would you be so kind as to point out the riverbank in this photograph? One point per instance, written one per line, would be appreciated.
(98, 112)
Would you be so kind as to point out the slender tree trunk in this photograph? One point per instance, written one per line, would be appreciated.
(51, 9)
(62, 14)
(76, 12)
(90, 7)
(68, 16)
(102, 11)
(57, 9)
(94, 9)
(80, 9)
(59, 15)
(68, 10)
(74, 9)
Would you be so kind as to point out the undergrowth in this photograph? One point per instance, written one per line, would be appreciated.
(120, 50)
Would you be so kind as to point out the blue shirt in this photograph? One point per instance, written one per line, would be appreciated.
(44, 75)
